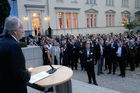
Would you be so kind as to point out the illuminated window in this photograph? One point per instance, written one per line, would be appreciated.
(60, 19)
(68, 23)
(125, 18)
(110, 20)
(94, 20)
(91, 20)
(106, 20)
(87, 20)
(74, 20)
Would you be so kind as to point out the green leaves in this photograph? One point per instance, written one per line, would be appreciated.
(5, 11)
(130, 25)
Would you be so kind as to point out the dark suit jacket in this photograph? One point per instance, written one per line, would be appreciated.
(97, 51)
(88, 65)
(13, 75)
(123, 53)
(113, 50)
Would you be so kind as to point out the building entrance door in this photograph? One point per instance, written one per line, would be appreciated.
(36, 23)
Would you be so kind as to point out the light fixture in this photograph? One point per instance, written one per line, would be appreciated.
(34, 14)
(26, 18)
(46, 18)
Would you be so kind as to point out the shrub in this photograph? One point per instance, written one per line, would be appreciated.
(23, 44)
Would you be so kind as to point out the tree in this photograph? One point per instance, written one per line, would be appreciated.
(130, 25)
(5, 11)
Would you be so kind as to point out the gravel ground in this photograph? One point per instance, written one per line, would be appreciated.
(129, 84)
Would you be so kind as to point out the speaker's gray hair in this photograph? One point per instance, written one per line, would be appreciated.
(11, 24)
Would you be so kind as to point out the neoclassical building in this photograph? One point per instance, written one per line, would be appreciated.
(76, 16)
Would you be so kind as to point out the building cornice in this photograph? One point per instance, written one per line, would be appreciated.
(110, 12)
(91, 11)
(34, 6)
(66, 8)
(125, 12)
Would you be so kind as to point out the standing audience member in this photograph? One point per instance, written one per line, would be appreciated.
(131, 55)
(121, 56)
(99, 55)
(55, 53)
(113, 56)
(89, 63)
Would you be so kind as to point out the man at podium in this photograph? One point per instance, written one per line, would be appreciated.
(13, 74)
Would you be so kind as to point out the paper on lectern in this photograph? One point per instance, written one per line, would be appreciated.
(38, 76)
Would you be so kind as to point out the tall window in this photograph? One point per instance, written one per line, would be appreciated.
(75, 20)
(91, 20)
(109, 20)
(125, 18)
(87, 20)
(91, 2)
(125, 3)
(109, 2)
(68, 20)
(68, 23)
(137, 3)
(60, 19)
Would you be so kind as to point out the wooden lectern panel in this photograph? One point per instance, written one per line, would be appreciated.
(62, 75)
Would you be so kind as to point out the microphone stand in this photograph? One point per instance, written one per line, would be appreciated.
(52, 70)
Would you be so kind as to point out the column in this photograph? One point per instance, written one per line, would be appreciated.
(64, 20)
(57, 21)
(71, 20)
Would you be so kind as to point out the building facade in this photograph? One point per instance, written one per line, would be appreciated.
(76, 16)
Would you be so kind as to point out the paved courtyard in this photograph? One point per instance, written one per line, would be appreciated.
(129, 84)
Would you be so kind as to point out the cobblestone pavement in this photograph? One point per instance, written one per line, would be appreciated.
(129, 84)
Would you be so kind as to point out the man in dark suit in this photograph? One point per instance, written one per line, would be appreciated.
(80, 54)
(89, 63)
(132, 50)
(99, 56)
(49, 32)
(14, 75)
(121, 56)
(113, 56)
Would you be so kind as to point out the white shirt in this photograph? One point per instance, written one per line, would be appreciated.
(119, 51)
(55, 50)
(101, 48)
(14, 38)
(49, 46)
(87, 52)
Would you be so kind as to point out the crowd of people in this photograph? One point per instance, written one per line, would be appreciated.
(107, 51)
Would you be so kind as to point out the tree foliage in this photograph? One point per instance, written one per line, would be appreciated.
(130, 25)
(5, 11)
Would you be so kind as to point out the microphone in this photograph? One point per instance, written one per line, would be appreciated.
(52, 70)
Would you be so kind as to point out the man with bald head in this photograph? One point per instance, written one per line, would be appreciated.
(13, 72)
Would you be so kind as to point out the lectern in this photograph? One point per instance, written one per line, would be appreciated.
(59, 80)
